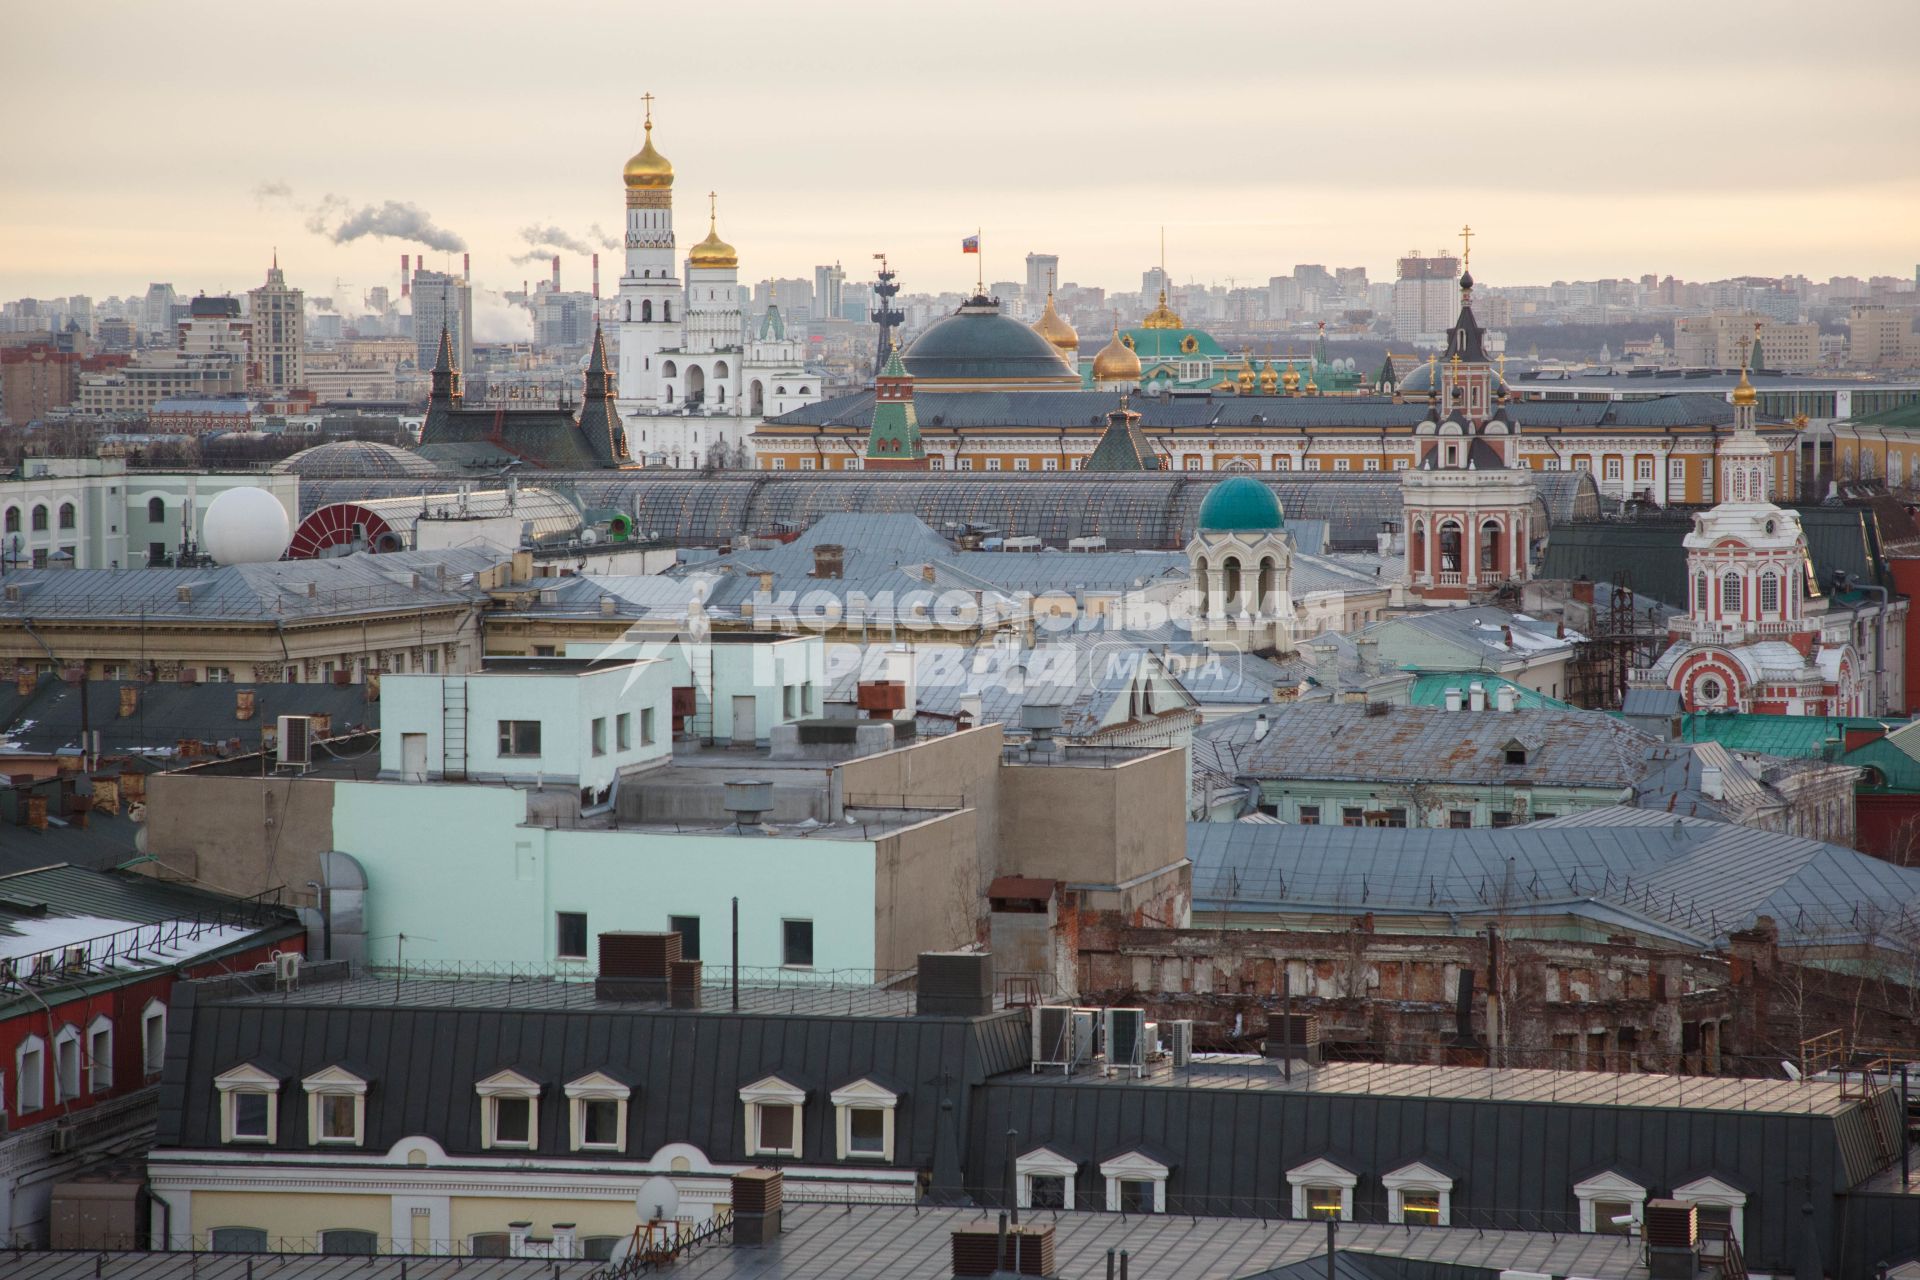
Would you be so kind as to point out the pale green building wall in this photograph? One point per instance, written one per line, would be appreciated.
(453, 866)
(1432, 803)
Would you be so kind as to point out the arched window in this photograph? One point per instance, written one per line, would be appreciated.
(13, 519)
(1769, 595)
(156, 509)
(1730, 594)
(1449, 547)
(668, 369)
(1759, 486)
(66, 515)
(1700, 598)
(803, 391)
(1490, 547)
(1200, 581)
(1739, 485)
(666, 311)
(779, 391)
(39, 519)
(1233, 598)
(646, 309)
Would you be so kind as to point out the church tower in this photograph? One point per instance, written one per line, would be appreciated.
(714, 307)
(650, 292)
(1468, 504)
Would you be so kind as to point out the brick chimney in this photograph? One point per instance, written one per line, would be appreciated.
(756, 1205)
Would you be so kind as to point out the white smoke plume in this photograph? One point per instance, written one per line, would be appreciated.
(552, 238)
(336, 219)
(606, 241)
(267, 193)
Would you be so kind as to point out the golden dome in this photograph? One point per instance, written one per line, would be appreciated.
(648, 169)
(1056, 330)
(713, 251)
(1290, 379)
(1269, 380)
(1743, 394)
(1162, 316)
(1224, 385)
(1116, 362)
(1245, 376)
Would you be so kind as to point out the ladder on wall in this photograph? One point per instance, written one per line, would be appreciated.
(700, 663)
(453, 730)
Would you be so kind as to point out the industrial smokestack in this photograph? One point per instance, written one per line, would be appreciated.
(556, 273)
(596, 277)
(466, 266)
(406, 280)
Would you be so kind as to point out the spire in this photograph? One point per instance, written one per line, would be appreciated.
(445, 382)
(893, 441)
(1122, 446)
(598, 384)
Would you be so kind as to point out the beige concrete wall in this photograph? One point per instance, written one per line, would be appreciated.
(956, 770)
(925, 891)
(1093, 825)
(239, 835)
(290, 1217)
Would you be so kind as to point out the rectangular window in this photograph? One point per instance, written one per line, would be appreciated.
(571, 935)
(1643, 468)
(796, 943)
(1049, 464)
(866, 1131)
(1502, 818)
(776, 1127)
(519, 737)
(993, 464)
(600, 735)
(1400, 464)
(779, 464)
(1020, 464)
(646, 726)
(100, 1060)
(1613, 468)
(600, 1122)
(31, 1086)
(339, 1118)
(1607, 1215)
(250, 1114)
(1460, 819)
(1281, 463)
(1136, 1196)
(512, 1121)
(1370, 464)
(786, 701)
(1309, 815)
(965, 464)
(66, 1068)
(1049, 1191)
(688, 927)
(1342, 464)
(1583, 464)
(1390, 818)
(153, 1041)
(1324, 1203)
(1677, 470)
(1311, 464)
(1551, 464)
(1353, 816)
(806, 464)
(1422, 1208)
(623, 731)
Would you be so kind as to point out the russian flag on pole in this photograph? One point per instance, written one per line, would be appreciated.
(970, 245)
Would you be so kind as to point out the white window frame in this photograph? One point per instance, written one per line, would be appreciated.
(153, 1044)
(247, 1079)
(863, 1095)
(333, 1082)
(1421, 1179)
(69, 1035)
(1710, 1192)
(1608, 1185)
(1322, 1172)
(1677, 470)
(596, 1086)
(1043, 1162)
(98, 1068)
(508, 1084)
(773, 1091)
(30, 1086)
(1134, 1166)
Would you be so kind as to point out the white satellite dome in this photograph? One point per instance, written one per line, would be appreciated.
(245, 526)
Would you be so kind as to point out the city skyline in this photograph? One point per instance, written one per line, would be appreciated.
(1252, 163)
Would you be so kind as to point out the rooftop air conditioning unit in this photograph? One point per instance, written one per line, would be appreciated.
(1125, 1033)
(60, 1140)
(295, 736)
(1180, 1041)
(1062, 1037)
(286, 967)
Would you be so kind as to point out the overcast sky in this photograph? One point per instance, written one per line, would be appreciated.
(184, 142)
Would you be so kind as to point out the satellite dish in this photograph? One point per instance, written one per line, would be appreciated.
(658, 1198)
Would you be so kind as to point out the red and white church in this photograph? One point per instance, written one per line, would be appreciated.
(1756, 636)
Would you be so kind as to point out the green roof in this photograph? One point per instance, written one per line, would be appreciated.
(1430, 690)
(1165, 344)
(1799, 737)
(1240, 504)
(1906, 415)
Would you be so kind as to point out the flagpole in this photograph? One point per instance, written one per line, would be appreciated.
(980, 264)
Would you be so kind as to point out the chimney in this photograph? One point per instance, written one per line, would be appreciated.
(243, 704)
(466, 266)
(406, 279)
(829, 560)
(1507, 697)
(766, 584)
(1671, 1229)
(1369, 647)
(596, 277)
(23, 681)
(1261, 725)
(1453, 699)
(926, 573)
(556, 273)
(954, 984)
(1583, 590)
(1326, 667)
(37, 812)
(129, 700)
(1477, 696)
(1506, 636)
(756, 1205)
(635, 966)
(1712, 782)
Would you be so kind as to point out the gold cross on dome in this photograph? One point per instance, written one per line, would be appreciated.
(648, 99)
(1466, 245)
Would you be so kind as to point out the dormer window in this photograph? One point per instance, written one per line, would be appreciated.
(1419, 1195)
(1611, 1204)
(336, 1107)
(1322, 1189)
(1136, 1182)
(597, 1112)
(1516, 752)
(773, 1108)
(249, 1104)
(509, 1112)
(863, 1120)
(1045, 1178)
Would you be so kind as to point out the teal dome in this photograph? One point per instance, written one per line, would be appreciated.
(1240, 504)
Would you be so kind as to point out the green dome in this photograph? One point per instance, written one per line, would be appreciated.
(1240, 504)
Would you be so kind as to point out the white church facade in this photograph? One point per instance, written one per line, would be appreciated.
(693, 382)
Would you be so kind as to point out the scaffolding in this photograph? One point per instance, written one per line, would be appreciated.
(1620, 641)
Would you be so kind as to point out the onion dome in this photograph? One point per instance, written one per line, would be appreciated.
(1240, 504)
(1245, 376)
(1743, 393)
(648, 170)
(1054, 328)
(1290, 379)
(713, 251)
(1162, 316)
(1224, 386)
(1116, 362)
(1269, 380)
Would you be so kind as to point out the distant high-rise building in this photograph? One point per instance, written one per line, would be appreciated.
(440, 298)
(829, 291)
(1724, 340)
(1879, 338)
(1153, 282)
(156, 313)
(1423, 298)
(1043, 274)
(278, 319)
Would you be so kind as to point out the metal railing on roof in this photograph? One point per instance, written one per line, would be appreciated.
(287, 601)
(136, 946)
